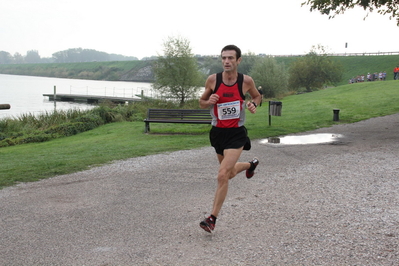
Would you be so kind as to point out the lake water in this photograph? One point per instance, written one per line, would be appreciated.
(25, 93)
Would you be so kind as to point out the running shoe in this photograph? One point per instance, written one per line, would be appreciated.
(251, 171)
(208, 224)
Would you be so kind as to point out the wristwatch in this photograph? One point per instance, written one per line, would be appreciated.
(255, 104)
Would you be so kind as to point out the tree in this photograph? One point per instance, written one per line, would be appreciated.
(5, 57)
(271, 76)
(176, 72)
(340, 6)
(212, 65)
(80, 55)
(315, 70)
(247, 62)
(18, 58)
(32, 57)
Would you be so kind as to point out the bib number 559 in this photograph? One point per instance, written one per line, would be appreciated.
(229, 111)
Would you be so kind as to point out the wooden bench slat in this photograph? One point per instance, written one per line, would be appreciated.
(181, 121)
(188, 116)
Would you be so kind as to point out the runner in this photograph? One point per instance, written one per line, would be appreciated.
(396, 73)
(225, 95)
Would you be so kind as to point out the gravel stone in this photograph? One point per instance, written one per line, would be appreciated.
(318, 204)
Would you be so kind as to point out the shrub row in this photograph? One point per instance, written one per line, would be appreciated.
(30, 129)
(81, 124)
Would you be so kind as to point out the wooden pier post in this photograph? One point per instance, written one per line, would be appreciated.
(5, 106)
(55, 97)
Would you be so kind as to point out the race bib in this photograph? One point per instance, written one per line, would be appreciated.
(230, 110)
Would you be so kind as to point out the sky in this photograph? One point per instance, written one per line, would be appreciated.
(140, 27)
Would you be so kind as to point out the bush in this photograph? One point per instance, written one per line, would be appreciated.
(106, 112)
(39, 137)
(29, 128)
(91, 120)
(271, 76)
(27, 138)
(69, 129)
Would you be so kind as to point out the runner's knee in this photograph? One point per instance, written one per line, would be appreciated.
(224, 175)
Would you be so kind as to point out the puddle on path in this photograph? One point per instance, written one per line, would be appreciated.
(304, 139)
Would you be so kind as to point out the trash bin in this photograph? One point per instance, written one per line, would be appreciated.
(336, 115)
(275, 108)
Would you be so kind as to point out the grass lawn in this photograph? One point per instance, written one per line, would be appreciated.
(31, 162)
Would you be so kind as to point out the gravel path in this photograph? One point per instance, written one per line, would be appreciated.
(320, 204)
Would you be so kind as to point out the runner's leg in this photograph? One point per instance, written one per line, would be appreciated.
(227, 170)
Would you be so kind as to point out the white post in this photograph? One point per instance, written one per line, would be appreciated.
(55, 96)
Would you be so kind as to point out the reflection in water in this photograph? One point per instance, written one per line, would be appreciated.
(305, 139)
(25, 93)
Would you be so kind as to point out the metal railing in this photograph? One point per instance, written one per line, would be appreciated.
(341, 54)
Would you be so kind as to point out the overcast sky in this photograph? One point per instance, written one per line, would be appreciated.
(139, 27)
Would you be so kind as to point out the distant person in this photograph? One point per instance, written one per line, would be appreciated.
(396, 73)
(261, 94)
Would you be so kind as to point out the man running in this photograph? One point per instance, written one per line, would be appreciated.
(225, 95)
(396, 73)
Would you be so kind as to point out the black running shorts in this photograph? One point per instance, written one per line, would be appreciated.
(229, 138)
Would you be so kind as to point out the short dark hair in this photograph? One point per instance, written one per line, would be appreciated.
(232, 47)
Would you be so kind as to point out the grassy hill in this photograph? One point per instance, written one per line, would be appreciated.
(85, 70)
(141, 70)
(358, 65)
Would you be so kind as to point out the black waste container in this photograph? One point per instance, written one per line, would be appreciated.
(275, 108)
(336, 115)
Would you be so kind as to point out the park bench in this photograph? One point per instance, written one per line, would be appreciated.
(187, 116)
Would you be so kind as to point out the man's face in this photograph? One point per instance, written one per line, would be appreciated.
(229, 60)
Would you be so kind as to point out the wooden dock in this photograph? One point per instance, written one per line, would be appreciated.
(89, 98)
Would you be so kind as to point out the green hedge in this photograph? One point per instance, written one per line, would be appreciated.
(79, 125)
